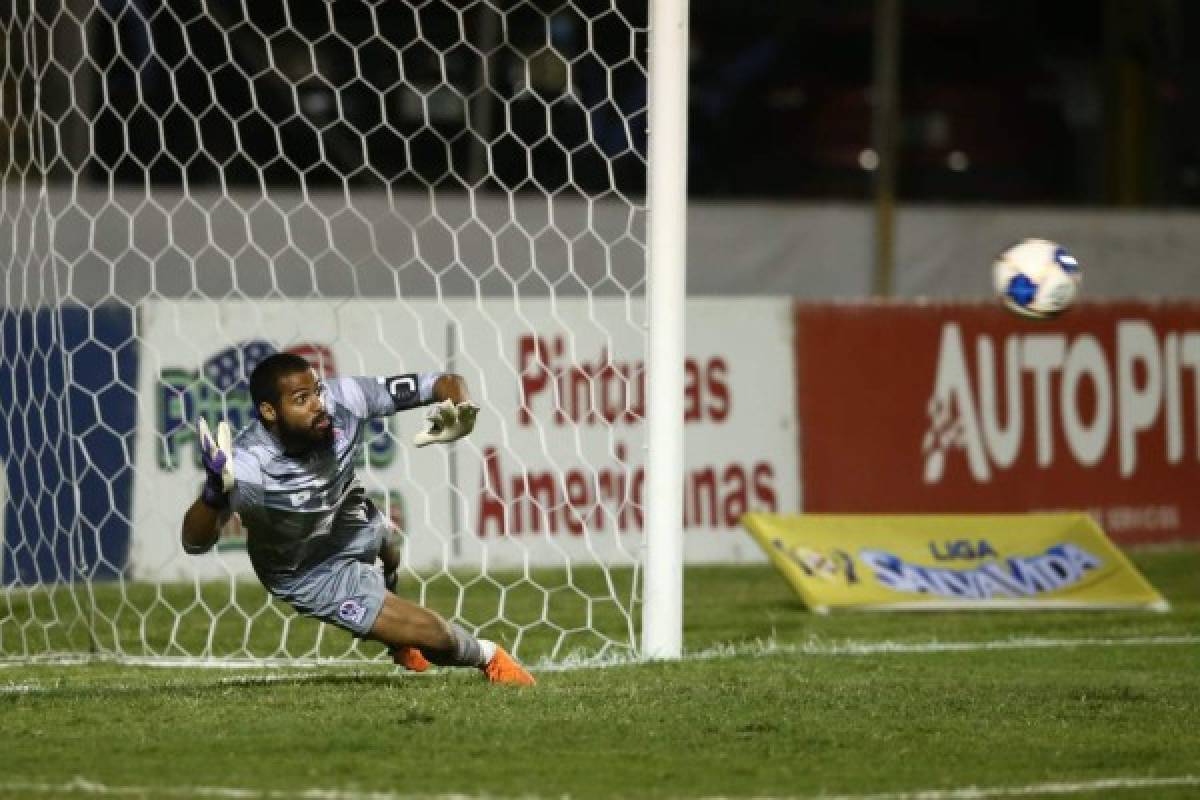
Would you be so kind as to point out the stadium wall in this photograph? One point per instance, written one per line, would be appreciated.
(559, 444)
(129, 249)
(130, 245)
(824, 407)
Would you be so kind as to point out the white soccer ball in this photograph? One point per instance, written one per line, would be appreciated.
(1037, 278)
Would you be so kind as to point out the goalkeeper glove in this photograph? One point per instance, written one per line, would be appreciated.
(448, 422)
(217, 455)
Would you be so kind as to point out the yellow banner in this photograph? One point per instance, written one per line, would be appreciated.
(949, 562)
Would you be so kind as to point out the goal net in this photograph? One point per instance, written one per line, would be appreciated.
(382, 187)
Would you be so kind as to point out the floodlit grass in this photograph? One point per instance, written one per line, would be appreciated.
(545, 614)
(796, 723)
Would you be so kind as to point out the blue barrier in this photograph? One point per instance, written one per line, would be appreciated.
(68, 452)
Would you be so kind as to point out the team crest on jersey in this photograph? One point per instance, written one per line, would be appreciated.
(353, 612)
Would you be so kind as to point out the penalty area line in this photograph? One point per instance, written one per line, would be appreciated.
(80, 785)
(1029, 790)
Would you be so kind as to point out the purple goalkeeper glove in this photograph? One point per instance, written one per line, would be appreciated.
(217, 455)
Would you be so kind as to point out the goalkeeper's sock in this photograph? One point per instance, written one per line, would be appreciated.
(465, 650)
(487, 651)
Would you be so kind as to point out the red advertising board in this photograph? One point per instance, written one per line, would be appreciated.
(956, 407)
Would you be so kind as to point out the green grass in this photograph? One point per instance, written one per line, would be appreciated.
(542, 614)
(789, 724)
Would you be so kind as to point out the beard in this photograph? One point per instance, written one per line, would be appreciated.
(303, 439)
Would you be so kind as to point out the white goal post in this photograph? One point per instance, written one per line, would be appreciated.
(496, 187)
(662, 616)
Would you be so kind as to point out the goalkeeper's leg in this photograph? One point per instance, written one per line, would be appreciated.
(402, 623)
(416, 636)
(406, 656)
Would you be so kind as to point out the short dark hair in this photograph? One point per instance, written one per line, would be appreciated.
(264, 381)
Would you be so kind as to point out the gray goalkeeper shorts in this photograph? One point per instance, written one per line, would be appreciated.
(344, 589)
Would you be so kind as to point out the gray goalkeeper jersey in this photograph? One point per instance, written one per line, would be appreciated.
(291, 506)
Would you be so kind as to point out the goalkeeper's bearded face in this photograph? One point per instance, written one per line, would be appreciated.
(301, 421)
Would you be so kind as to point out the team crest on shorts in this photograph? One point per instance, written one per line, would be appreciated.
(353, 612)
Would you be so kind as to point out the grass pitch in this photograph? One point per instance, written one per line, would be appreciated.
(849, 704)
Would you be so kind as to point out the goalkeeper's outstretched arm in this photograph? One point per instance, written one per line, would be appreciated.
(451, 387)
(202, 527)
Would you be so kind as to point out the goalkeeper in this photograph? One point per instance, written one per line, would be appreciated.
(313, 536)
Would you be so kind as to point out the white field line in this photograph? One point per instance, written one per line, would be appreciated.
(767, 647)
(86, 787)
(850, 647)
(241, 680)
(1030, 790)
(816, 648)
(20, 688)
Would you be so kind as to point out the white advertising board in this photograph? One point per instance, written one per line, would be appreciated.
(554, 472)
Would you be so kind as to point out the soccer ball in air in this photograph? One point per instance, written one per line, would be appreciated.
(1037, 278)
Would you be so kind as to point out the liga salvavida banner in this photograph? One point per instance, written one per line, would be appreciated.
(555, 470)
(951, 562)
(945, 408)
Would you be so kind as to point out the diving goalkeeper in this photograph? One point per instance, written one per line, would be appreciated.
(313, 536)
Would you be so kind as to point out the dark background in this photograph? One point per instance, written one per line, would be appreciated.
(1087, 102)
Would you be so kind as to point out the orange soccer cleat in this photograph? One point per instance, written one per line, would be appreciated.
(410, 658)
(504, 669)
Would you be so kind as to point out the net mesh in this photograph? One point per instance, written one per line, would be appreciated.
(381, 187)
